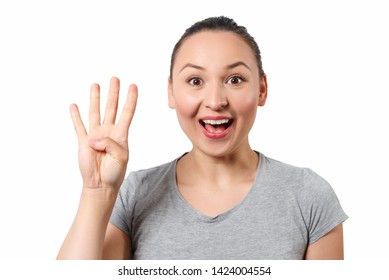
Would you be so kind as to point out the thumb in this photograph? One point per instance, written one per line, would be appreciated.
(111, 147)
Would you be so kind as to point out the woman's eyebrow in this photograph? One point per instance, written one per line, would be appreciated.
(236, 64)
(230, 66)
(193, 66)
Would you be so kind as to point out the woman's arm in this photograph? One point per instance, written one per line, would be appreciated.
(329, 247)
(85, 238)
(103, 157)
(117, 245)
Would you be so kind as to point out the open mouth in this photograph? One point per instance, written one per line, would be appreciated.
(216, 126)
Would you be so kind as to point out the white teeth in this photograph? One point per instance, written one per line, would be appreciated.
(216, 122)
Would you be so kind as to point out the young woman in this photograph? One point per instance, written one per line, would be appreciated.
(222, 199)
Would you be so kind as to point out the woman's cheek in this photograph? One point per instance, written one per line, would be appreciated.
(186, 105)
(246, 104)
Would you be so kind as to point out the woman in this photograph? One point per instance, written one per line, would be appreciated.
(221, 200)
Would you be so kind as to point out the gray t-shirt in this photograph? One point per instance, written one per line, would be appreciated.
(286, 209)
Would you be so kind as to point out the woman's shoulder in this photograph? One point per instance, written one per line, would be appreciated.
(143, 181)
(309, 189)
(280, 169)
(154, 171)
(295, 177)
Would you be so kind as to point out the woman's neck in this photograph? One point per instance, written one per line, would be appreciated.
(198, 168)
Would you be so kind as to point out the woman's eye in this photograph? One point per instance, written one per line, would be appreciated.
(235, 80)
(195, 81)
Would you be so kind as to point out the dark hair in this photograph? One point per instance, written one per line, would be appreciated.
(221, 23)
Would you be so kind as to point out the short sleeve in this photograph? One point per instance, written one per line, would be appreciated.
(320, 206)
(122, 212)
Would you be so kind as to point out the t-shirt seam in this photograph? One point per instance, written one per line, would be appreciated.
(340, 218)
(302, 184)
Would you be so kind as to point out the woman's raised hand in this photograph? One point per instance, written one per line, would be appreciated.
(103, 152)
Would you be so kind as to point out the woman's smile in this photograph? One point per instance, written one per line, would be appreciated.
(216, 127)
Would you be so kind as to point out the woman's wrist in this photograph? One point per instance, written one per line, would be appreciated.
(99, 195)
(97, 203)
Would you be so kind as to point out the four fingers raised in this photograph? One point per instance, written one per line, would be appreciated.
(110, 110)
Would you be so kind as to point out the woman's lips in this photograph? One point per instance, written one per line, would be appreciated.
(216, 127)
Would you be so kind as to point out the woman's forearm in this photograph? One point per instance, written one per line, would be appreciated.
(85, 239)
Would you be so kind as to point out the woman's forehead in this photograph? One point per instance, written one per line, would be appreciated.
(214, 47)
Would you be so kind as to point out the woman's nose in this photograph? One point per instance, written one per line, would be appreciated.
(215, 98)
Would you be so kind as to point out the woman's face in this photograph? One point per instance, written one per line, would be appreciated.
(215, 90)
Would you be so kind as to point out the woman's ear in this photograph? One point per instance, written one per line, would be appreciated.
(262, 91)
(171, 101)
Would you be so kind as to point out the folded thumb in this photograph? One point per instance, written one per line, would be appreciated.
(109, 146)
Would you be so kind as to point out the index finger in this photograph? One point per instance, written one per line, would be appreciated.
(129, 107)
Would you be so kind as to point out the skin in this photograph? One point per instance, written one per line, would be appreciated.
(215, 74)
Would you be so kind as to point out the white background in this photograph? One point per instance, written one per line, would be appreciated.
(327, 66)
